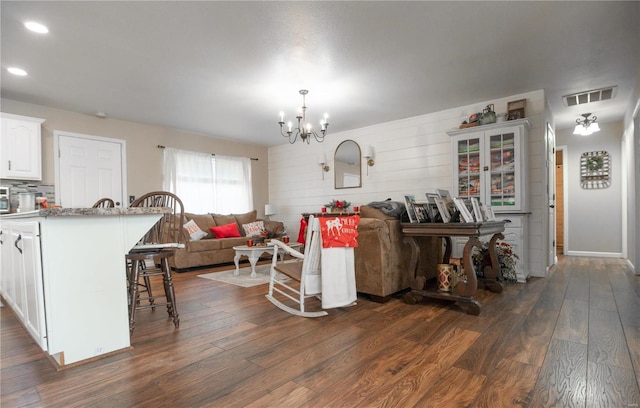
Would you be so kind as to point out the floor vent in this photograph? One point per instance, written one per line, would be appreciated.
(595, 95)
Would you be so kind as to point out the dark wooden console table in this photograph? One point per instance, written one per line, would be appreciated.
(465, 289)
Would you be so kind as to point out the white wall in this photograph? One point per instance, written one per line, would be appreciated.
(412, 156)
(144, 159)
(631, 181)
(594, 215)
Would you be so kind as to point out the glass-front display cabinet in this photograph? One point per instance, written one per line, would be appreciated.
(489, 163)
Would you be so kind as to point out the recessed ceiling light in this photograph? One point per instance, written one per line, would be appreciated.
(36, 27)
(17, 71)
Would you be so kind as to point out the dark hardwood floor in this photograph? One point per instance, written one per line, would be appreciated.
(569, 340)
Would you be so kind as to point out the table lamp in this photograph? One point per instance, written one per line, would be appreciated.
(269, 209)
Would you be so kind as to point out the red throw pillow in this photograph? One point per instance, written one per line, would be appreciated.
(226, 231)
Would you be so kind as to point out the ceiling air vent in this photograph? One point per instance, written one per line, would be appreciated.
(595, 95)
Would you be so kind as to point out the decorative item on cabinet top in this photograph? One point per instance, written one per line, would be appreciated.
(516, 109)
(486, 117)
(516, 122)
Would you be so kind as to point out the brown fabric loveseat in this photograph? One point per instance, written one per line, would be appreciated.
(382, 259)
(210, 250)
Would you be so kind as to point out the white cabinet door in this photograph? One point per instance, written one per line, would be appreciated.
(17, 267)
(6, 274)
(21, 156)
(24, 277)
(32, 282)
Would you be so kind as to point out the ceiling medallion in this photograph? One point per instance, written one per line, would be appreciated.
(304, 130)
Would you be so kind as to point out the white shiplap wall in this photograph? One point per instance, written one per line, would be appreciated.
(412, 156)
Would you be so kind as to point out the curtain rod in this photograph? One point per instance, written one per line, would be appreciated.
(213, 154)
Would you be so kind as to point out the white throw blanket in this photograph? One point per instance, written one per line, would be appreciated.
(338, 277)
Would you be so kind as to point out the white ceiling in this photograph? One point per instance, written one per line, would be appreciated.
(226, 69)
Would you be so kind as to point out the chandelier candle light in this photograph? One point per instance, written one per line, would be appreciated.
(586, 126)
(304, 128)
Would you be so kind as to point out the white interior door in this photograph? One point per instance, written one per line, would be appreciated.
(89, 168)
(551, 195)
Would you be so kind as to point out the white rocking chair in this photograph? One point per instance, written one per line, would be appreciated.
(307, 272)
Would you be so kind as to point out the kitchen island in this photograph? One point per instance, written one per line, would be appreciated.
(63, 274)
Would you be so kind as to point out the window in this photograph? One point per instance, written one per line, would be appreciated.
(208, 183)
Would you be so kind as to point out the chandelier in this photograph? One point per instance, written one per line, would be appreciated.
(586, 126)
(304, 130)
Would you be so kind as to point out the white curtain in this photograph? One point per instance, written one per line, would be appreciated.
(232, 187)
(207, 183)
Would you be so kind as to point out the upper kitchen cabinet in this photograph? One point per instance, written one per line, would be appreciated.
(21, 147)
(489, 163)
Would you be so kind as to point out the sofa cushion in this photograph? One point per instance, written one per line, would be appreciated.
(246, 218)
(228, 243)
(226, 231)
(204, 245)
(253, 229)
(221, 219)
(204, 221)
(194, 232)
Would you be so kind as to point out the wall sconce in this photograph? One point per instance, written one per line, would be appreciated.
(368, 155)
(269, 210)
(322, 161)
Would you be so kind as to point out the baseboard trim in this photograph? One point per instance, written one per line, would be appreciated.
(632, 267)
(595, 254)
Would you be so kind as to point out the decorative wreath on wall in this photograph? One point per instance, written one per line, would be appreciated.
(595, 170)
(594, 163)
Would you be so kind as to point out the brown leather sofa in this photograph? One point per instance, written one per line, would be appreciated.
(382, 258)
(210, 250)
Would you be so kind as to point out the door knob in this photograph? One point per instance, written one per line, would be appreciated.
(552, 206)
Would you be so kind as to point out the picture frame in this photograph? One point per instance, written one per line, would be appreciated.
(409, 203)
(431, 197)
(516, 109)
(431, 207)
(477, 211)
(488, 213)
(422, 212)
(595, 170)
(443, 193)
(464, 211)
(443, 210)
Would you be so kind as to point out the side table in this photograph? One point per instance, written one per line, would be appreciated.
(464, 290)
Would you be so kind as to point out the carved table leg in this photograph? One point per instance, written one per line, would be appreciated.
(491, 271)
(417, 282)
(469, 287)
(447, 250)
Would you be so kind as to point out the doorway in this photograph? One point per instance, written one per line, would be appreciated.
(561, 199)
(88, 168)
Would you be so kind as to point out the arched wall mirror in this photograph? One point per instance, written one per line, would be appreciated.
(346, 165)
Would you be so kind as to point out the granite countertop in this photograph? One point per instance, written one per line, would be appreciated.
(57, 212)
